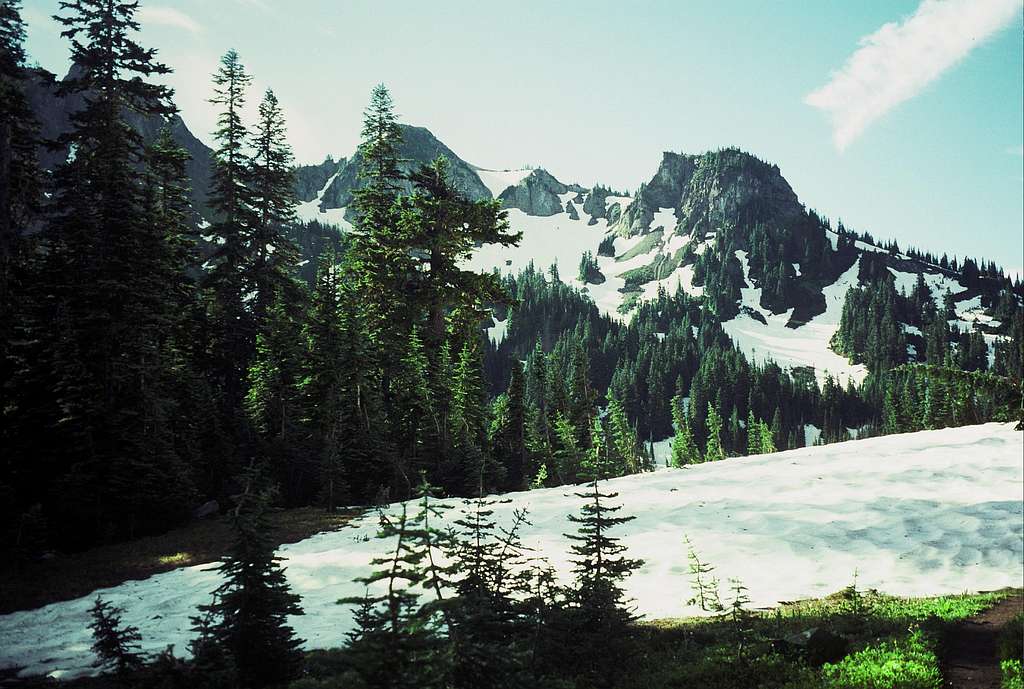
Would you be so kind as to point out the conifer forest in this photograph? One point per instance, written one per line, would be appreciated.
(395, 420)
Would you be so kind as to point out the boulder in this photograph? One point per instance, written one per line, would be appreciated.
(207, 509)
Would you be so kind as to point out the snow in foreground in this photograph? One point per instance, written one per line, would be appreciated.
(922, 513)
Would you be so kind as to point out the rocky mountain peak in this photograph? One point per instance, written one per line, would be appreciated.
(710, 189)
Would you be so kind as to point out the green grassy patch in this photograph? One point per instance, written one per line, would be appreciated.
(908, 663)
(644, 246)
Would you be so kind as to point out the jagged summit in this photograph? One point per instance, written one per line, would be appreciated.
(723, 226)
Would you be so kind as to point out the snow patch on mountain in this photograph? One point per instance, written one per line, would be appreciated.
(906, 513)
(309, 211)
(498, 181)
(805, 346)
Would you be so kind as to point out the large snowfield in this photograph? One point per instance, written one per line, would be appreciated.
(916, 514)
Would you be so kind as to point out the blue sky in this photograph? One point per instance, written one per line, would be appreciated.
(903, 118)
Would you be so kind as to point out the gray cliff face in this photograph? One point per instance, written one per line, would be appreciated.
(536, 194)
(418, 147)
(725, 187)
(310, 179)
(53, 112)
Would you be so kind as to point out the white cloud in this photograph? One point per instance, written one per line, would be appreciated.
(896, 62)
(167, 16)
(1016, 151)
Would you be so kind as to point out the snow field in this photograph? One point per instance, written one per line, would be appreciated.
(916, 514)
(498, 181)
(807, 345)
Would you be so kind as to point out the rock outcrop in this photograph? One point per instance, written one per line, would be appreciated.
(419, 146)
(536, 194)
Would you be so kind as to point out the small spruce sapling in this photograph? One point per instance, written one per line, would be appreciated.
(116, 646)
(598, 619)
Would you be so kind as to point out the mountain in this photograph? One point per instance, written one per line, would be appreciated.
(724, 227)
(728, 229)
(338, 180)
(53, 111)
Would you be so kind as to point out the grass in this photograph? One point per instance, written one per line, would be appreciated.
(891, 643)
(25, 586)
(908, 663)
(1011, 653)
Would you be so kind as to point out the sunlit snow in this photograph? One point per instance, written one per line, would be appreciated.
(498, 181)
(922, 513)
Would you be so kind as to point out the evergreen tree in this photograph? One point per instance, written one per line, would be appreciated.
(703, 582)
(272, 198)
(444, 228)
(598, 620)
(251, 608)
(396, 643)
(379, 265)
(626, 454)
(322, 386)
(765, 435)
(230, 272)
(489, 624)
(20, 178)
(754, 439)
(273, 401)
(105, 257)
(684, 448)
(116, 646)
(713, 450)
(569, 455)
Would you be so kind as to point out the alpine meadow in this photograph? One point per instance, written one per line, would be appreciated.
(642, 419)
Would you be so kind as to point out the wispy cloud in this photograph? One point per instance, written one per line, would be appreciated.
(896, 62)
(1016, 151)
(167, 16)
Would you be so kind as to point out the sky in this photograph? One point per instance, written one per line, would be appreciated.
(904, 118)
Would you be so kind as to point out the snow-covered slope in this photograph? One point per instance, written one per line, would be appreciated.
(922, 513)
(498, 181)
(807, 345)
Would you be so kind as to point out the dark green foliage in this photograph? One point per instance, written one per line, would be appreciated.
(249, 613)
(489, 635)
(397, 642)
(116, 646)
(270, 182)
(684, 449)
(229, 269)
(107, 291)
(713, 449)
(597, 620)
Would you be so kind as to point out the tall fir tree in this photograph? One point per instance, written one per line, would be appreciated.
(106, 252)
(713, 450)
(272, 197)
(229, 275)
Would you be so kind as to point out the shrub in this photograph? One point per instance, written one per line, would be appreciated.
(905, 664)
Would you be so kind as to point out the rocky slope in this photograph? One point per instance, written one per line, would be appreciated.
(53, 112)
(722, 226)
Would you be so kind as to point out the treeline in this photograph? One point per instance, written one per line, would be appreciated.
(492, 615)
(672, 347)
(888, 329)
(142, 375)
(972, 272)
